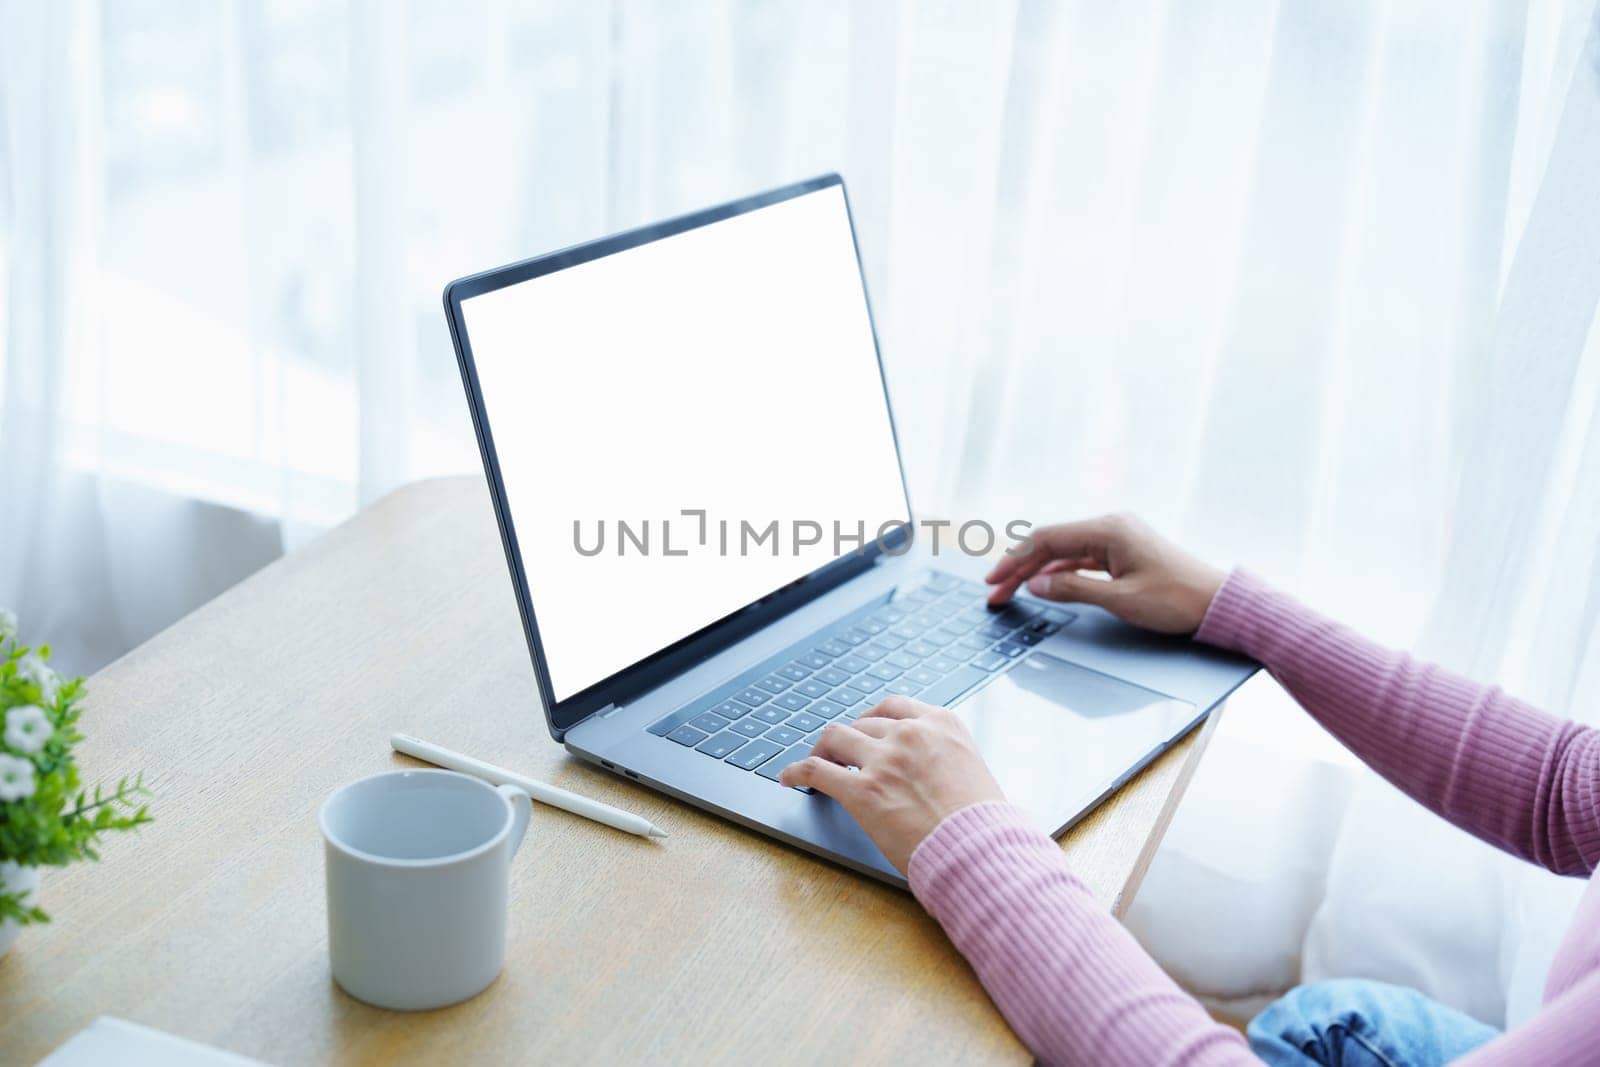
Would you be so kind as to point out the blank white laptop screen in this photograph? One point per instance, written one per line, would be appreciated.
(730, 369)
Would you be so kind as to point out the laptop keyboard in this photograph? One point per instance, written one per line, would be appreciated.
(934, 640)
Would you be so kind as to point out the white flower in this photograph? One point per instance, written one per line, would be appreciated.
(16, 778)
(8, 623)
(31, 668)
(27, 729)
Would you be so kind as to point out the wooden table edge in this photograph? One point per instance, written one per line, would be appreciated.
(1197, 743)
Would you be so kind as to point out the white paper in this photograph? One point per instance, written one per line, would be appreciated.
(112, 1040)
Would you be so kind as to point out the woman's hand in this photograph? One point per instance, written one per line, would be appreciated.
(900, 770)
(904, 767)
(1154, 583)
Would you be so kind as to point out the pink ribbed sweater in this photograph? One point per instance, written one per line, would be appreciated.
(1077, 988)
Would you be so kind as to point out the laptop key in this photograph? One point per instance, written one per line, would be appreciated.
(872, 652)
(903, 688)
(1028, 637)
(773, 684)
(941, 664)
(815, 660)
(721, 746)
(1017, 613)
(784, 735)
(731, 709)
(754, 754)
(833, 649)
(1009, 649)
(770, 713)
(846, 696)
(922, 676)
(792, 701)
(866, 683)
(853, 664)
(774, 767)
(922, 649)
(971, 646)
(825, 709)
(990, 661)
(749, 727)
(710, 722)
(889, 640)
(947, 689)
(887, 672)
(902, 660)
(805, 722)
(996, 630)
(872, 626)
(812, 688)
(853, 637)
(833, 676)
(687, 735)
(794, 672)
(754, 697)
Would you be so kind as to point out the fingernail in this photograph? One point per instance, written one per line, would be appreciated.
(1039, 583)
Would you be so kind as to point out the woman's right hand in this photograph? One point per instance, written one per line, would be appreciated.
(1153, 583)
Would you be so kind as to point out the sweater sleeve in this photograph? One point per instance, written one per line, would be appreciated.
(1561, 1036)
(1520, 779)
(1073, 984)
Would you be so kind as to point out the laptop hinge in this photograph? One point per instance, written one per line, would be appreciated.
(607, 711)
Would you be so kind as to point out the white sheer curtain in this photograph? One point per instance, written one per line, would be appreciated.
(1517, 603)
(1234, 265)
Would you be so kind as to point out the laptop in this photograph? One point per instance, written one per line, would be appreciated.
(688, 440)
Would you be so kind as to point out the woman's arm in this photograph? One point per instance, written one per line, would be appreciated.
(1514, 776)
(1069, 979)
(1562, 1035)
(1073, 984)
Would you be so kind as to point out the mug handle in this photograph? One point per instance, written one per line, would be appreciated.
(521, 811)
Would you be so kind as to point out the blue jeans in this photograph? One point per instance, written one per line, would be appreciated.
(1352, 1022)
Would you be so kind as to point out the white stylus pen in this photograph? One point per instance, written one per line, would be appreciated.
(543, 792)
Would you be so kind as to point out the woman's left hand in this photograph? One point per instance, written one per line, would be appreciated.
(900, 769)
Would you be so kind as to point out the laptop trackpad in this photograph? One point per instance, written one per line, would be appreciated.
(1058, 735)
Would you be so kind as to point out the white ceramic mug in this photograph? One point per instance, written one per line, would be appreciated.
(418, 865)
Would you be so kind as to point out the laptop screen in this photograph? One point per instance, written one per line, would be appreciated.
(685, 426)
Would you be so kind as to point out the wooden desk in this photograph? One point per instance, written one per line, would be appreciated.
(715, 944)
